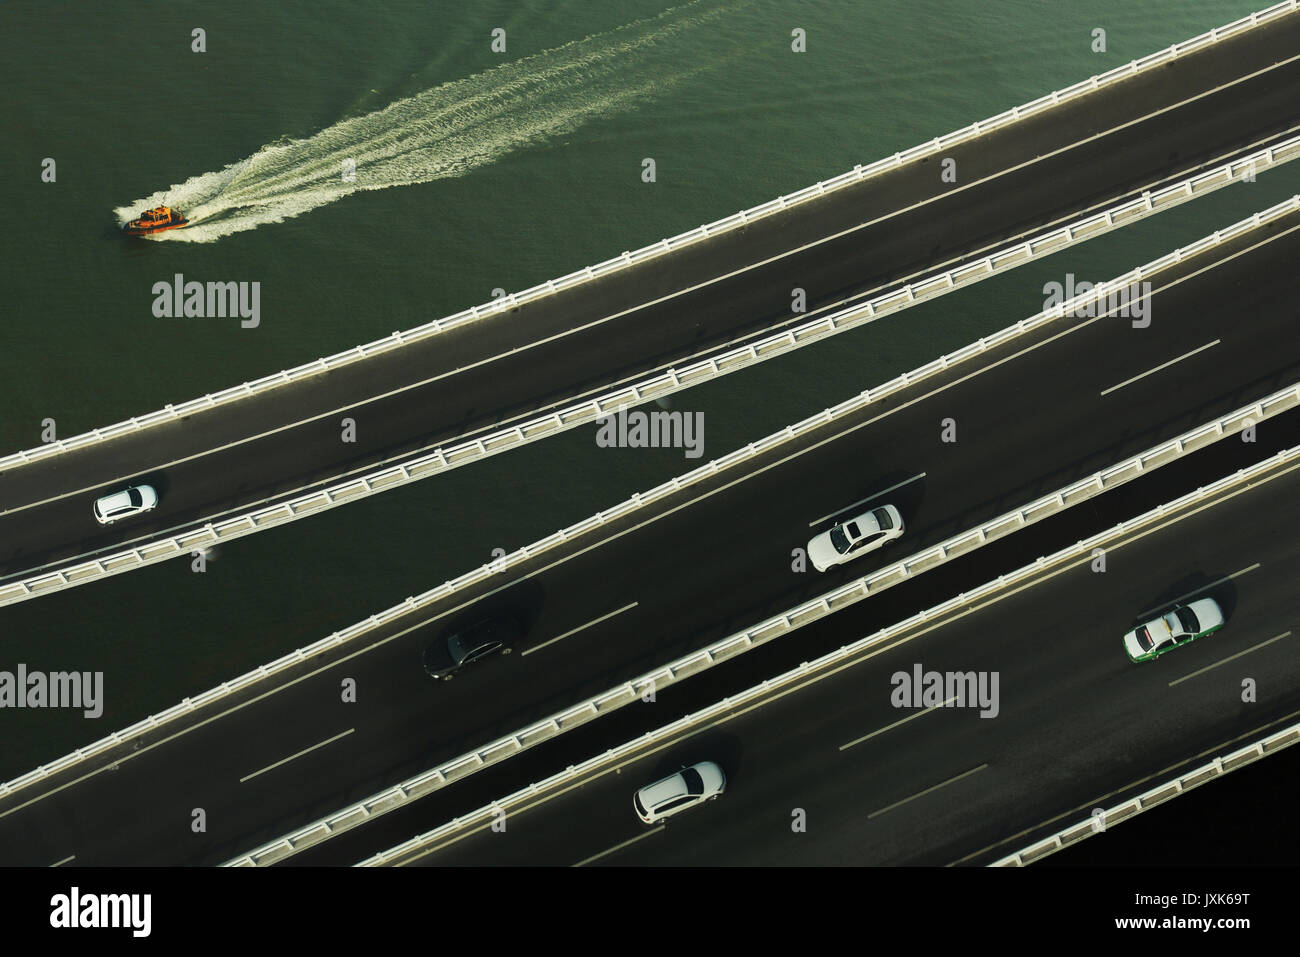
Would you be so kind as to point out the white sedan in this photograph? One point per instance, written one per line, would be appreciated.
(132, 501)
(1176, 627)
(848, 540)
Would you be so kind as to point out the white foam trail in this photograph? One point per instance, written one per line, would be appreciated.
(446, 131)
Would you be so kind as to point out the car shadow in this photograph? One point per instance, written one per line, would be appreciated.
(721, 747)
(872, 494)
(158, 480)
(522, 601)
(1187, 589)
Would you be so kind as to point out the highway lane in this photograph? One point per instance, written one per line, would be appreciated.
(698, 565)
(691, 303)
(1077, 725)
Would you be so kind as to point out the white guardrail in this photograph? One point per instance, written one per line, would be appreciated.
(173, 412)
(1212, 770)
(774, 627)
(443, 459)
(637, 501)
(615, 756)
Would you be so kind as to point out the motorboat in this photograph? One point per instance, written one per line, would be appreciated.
(155, 221)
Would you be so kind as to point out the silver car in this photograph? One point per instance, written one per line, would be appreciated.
(131, 501)
(677, 792)
(847, 540)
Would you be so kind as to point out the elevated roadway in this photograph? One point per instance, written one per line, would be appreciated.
(1047, 409)
(1224, 100)
(1074, 723)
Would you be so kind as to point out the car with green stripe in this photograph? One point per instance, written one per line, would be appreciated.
(1173, 629)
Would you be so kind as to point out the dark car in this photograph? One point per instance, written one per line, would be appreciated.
(448, 656)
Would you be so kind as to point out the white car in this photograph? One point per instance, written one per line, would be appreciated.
(677, 792)
(1178, 626)
(132, 501)
(848, 540)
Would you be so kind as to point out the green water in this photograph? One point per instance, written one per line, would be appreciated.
(490, 170)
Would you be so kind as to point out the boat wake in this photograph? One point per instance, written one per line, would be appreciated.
(443, 132)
